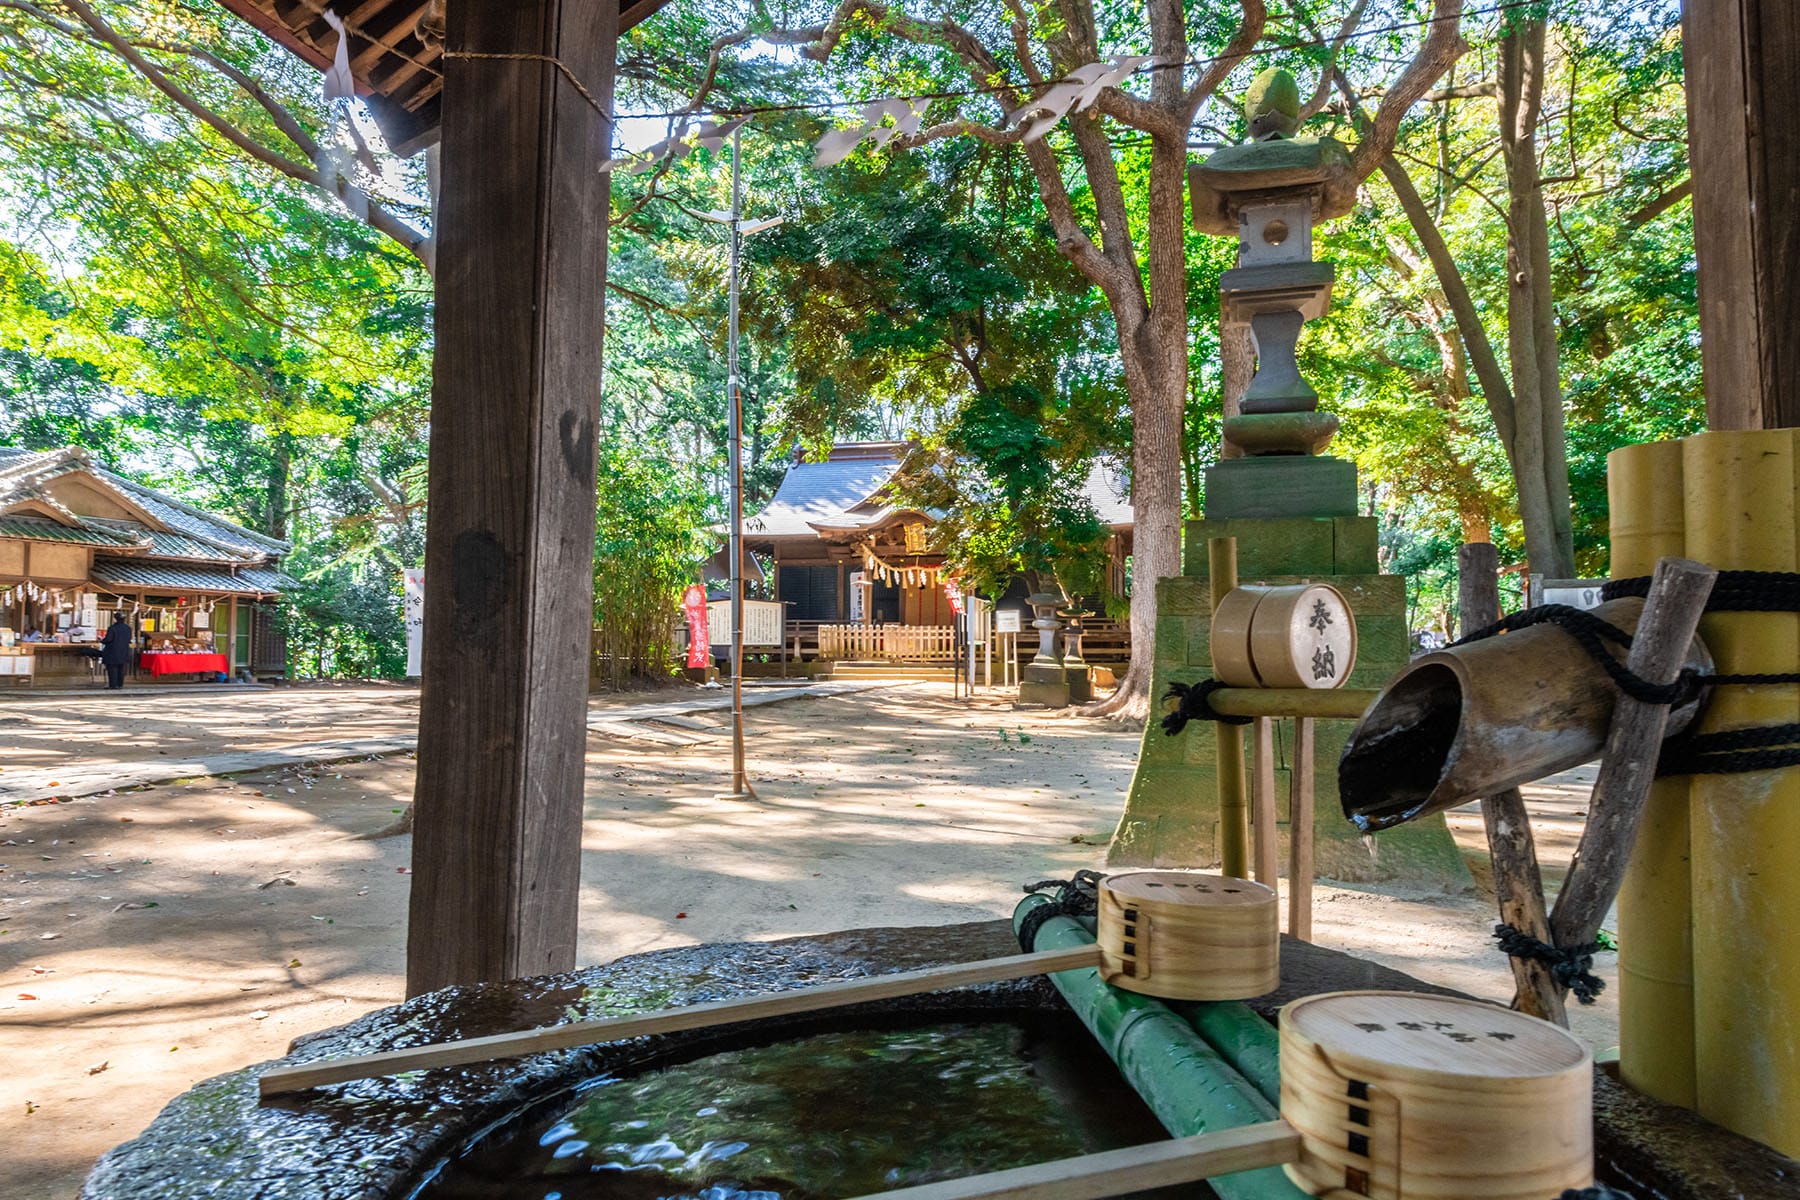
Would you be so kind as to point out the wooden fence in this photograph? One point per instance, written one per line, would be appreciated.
(894, 643)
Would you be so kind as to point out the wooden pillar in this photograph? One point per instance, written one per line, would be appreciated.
(509, 553)
(1743, 91)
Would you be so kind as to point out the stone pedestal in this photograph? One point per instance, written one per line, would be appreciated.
(1046, 684)
(1081, 682)
(1284, 485)
(1172, 812)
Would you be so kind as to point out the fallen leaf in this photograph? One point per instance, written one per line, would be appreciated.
(680, 916)
(26, 996)
(43, 970)
(404, 870)
(48, 937)
(263, 887)
(127, 820)
(98, 1067)
(261, 1014)
(294, 963)
(130, 904)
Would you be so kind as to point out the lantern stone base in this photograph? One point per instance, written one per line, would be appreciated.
(1044, 683)
(1281, 485)
(1081, 682)
(1171, 814)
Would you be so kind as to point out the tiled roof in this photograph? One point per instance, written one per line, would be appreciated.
(159, 544)
(868, 516)
(815, 491)
(190, 520)
(43, 529)
(197, 534)
(117, 572)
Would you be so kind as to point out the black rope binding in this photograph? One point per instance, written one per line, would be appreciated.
(1196, 705)
(1597, 1192)
(1570, 966)
(1592, 634)
(1077, 897)
(1732, 751)
(1732, 591)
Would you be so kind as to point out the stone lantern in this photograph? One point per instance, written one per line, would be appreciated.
(1044, 681)
(1270, 192)
(1290, 507)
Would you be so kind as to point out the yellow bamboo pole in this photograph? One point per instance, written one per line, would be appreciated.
(1656, 949)
(1741, 489)
(1343, 704)
(1234, 800)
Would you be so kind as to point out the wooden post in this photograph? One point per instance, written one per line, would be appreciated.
(1234, 808)
(509, 553)
(1300, 832)
(1265, 836)
(1518, 883)
(1678, 592)
(1742, 60)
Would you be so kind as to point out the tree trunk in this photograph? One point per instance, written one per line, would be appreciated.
(275, 496)
(1155, 354)
(1541, 464)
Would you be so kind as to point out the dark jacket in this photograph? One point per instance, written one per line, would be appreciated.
(115, 647)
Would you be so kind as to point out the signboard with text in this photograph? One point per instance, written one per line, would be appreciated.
(412, 617)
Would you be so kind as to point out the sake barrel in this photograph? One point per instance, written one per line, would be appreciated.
(1397, 1094)
(1300, 635)
(1184, 935)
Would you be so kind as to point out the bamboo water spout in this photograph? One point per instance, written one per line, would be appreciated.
(1479, 718)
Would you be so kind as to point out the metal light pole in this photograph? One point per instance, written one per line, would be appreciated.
(740, 785)
(735, 403)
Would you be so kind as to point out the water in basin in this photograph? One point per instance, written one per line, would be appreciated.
(818, 1118)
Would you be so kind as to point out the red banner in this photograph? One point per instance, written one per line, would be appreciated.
(693, 602)
(956, 597)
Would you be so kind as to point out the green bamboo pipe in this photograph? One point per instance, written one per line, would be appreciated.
(1242, 1038)
(1184, 1081)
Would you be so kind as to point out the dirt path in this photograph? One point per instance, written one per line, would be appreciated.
(182, 931)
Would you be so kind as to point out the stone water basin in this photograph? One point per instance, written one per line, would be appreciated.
(419, 1136)
(910, 1089)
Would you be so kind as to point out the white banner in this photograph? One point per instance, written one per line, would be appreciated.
(412, 615)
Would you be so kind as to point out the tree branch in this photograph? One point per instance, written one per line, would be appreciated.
(1442, 46)
(1322, 91)
(1256, 15)
(1661, 204)
(98, 29)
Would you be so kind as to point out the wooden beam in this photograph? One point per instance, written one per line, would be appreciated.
(510, 548)
(1117, 1172)
(1743, 88)
(282, 1080)
(1659, 650)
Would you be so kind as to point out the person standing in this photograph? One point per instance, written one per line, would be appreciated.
(115, 650)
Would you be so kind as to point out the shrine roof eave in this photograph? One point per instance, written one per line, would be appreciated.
(398, 72)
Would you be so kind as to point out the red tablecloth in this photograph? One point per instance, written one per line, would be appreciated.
(167, 662)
